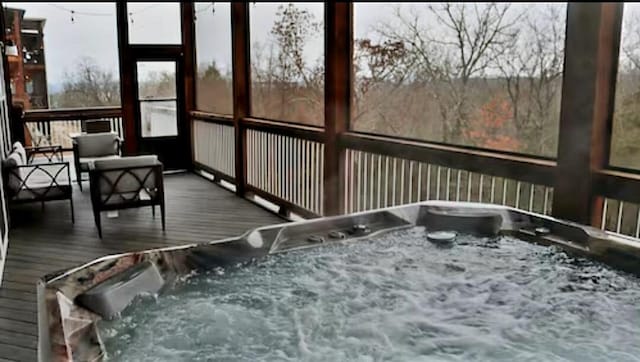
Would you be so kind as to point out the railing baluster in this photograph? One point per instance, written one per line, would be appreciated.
(493, 189)
(352, 195)
(379, 198)
(605, 207)
(531, 196)
(386, 181)
(371, 177)
(481, 188)
(637, 233)
(504, 191)
(619, 220)
(411, 181)
(545, 205)
(358, 194)
(393, 195)
(428, 181)
(518, 186)
(364, 181)
(402, 181)
(458, 184)
(419, 181)
(438, 174)
(448, 183)
(469, 178)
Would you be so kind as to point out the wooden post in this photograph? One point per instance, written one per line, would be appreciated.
(241, 87)
(588, 91)
(189, 69)
(337, 100)
(127, 81)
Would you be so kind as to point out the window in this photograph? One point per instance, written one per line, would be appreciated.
(67, 54)
(214, 88)
(157, 98)
(154, 23)
(287, 61)
(625, 148)
(499, 89)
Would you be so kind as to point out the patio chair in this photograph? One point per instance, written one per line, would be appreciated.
(41, 145)
(88, 148)
(25, 183)
(126, 182)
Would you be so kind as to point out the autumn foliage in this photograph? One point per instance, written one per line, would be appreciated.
(490, 128)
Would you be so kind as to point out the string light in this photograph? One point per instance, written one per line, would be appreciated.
(73, 12)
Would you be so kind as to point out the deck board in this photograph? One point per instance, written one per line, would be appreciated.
(43, 241)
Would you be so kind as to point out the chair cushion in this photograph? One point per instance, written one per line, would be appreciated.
(12, 175)
(97, 144)
(19, 149)
(44, 191)
(126, 162)
(86, 163)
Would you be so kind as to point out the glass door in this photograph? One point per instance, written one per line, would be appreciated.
(158, 109)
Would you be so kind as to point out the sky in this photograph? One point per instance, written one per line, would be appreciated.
(92, 32)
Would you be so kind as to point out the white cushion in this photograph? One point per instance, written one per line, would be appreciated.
(97, 144)
(19, 149)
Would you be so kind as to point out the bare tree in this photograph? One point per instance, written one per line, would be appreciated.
(532, 70)
(283, 72)
(380, 71)
(449, 54)
(626, 125)
(87, 86)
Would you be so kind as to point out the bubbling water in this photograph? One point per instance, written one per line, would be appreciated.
(397, 297)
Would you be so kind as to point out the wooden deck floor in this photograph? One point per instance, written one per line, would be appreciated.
(44, 241)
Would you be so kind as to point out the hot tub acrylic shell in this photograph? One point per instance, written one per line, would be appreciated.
(67, 325)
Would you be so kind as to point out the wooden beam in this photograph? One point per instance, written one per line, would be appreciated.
(337, 101)
(588, 90)
(189, 76)
(127, 81)
(241, 87)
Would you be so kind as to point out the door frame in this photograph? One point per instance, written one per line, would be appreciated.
(129, 54)
(170, 53)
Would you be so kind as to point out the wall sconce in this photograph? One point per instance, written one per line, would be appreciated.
(10, 49)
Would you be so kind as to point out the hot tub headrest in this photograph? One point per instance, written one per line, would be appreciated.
(475, 222)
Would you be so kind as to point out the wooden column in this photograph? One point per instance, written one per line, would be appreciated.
(127, 81)
(588, 90)
(189, 71)
(241, 87)
(337, 100)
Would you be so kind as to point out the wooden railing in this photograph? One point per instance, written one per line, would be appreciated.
(213, 145)
(621, 208)
(57, 124)
(285, 164)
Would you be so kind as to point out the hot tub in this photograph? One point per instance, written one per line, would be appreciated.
(432, 280)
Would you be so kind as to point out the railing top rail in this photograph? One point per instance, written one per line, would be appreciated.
(66, 114)
(619, 185)
(522, 168)
(212, 117)
(311, 133)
